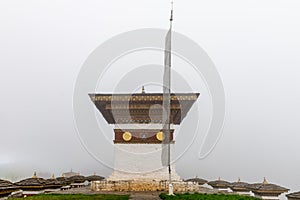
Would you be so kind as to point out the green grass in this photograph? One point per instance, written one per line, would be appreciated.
(197, 196)
(77, 196)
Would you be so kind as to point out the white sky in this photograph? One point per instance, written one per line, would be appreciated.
(254, 44)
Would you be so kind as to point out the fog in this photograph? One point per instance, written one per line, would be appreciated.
(254, 45)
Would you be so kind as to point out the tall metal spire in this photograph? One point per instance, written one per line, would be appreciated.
(172, 7)
(166, 153)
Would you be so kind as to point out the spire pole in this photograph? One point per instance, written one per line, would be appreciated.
(166, 153)
(169, 111)
(172, 7)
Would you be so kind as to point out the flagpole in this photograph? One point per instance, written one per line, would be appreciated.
(169, 111)
(166, 152)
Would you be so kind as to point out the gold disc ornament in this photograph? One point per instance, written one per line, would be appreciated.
(127, 136)
(159, 135)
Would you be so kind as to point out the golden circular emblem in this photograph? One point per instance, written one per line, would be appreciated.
(127, 136)
(159, 135)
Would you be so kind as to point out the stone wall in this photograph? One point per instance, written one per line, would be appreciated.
(178, 186)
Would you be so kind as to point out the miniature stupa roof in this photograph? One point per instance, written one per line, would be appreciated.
(77, 179)
(63, 180)
(95, 177)
(239, 186)
(266, 188)
(53, 182)
(295, 195)
(33, 182)
(200, 181)
(219, 183)
(5, 183)
(6, 187)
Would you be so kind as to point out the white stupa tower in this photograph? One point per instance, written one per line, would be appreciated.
(137, 120)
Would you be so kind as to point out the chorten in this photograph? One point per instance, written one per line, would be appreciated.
(267, 190)
(138, 135)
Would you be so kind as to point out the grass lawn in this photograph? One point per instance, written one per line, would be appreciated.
(76, 196)
(205, 197)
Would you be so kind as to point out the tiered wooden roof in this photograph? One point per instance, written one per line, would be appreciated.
(31, 183)
(6, 187)
(53, 183)
(200, 181)
(239, 186)
(77, 179)
(266, 188)
(63, 180)
(293, 196)
(219, 184)
(95, 178)
(142, 107)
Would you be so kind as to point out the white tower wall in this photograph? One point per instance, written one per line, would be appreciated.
(141, 161)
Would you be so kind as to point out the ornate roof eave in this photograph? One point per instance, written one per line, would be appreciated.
(267, 188)
(138, 106)
(120, 97)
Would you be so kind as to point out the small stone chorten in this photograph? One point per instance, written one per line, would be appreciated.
(219, 184)
(34, 183)
(240, 187)
(52, 183)
(266, 190)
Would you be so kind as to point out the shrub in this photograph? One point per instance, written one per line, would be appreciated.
(197, 196)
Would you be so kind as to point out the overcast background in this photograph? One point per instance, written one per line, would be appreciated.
(254, 44)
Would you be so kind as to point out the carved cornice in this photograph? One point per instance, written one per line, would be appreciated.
(142, 107)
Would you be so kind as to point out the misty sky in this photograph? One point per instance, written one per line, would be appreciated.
(254, 45)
